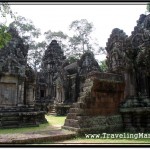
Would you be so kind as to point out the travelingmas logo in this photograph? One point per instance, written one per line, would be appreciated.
(118, 136)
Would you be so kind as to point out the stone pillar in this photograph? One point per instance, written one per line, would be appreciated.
(127, 89)
(30, 94)
(21, 94)
(132, 84)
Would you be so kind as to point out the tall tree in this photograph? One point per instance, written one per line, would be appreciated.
(148, 7)
(5, 37)
(82, 40)
(35, 55)
(5, 10)
(26, 29)
(61, 38)
(29, 34)
(103, 65)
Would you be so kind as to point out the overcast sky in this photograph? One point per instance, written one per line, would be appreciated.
(104, 17)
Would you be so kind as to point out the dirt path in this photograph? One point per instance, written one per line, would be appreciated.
(53, 134)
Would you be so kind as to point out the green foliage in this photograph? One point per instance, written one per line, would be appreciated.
(49, 35)
(103, 66)
(148, 6)
(78, 43)
(82, 28)
(5, 37)
(72, 59)
(5, 10)
(29, 34)
(35, 55)
(82, 40)
(26, 29)
(59, 36)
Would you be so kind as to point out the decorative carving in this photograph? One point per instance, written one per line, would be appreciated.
(137, 76)
(87, 63)
(16, 53)
(115, 50)
(17, 86)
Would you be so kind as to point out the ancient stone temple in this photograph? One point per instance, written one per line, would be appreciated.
(46, 87)
(136, 106)
(51, 62)
(59, 83)
(17, 86)
(66, 87)
(97, 106)
(119, 99)
(70, 79)
(115, 51)
(132, 62)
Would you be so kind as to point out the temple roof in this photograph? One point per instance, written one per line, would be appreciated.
(72, 68)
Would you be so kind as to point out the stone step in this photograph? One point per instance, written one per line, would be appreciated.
(72, 123)
(30, 109)
(87, 89)
(84, 98)
(54, 114)
(9, 123)
(18, 125)
(9, 109)
(79, 105)
(9, 126)
(82, 94)
(81, 98)
(88, 83)
(53, 111)
(8, 114)
(75, 110)
(9, 118)
(71, 128)
(71, 116)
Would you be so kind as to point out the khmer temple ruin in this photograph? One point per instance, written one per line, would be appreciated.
(126, 106)
(93, 101)
(17, 86)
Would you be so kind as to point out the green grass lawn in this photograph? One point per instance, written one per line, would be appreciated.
(83, 140)
(58, 121)
(52, 122)
(55, 120)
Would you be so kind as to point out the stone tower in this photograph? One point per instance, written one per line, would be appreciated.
(51, 62)
(17, 86)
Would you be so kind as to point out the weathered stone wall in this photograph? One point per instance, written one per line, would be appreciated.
(17, 107)
(107, 96)
(97, 108)
(10, 90)
(136, 119)
(30, 94)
